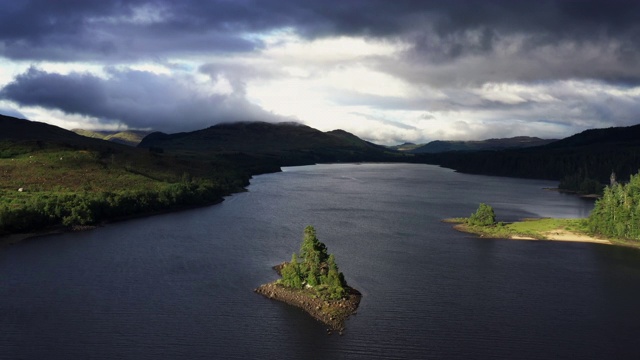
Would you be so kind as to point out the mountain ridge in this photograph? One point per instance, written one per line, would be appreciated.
(439, 146)
(286, 143)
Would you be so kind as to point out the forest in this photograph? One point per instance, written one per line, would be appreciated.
(582, 162)
(617, 213)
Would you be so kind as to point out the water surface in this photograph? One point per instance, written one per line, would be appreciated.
(180, 285)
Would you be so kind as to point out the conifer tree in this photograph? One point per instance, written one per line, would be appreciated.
(315, 268)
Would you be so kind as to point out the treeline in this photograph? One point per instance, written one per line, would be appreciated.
(42, 210)
(581, 184)
(617, 213)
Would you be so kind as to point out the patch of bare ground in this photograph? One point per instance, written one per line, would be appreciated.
(565, 235)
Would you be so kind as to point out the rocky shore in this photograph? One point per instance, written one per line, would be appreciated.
(332, 313)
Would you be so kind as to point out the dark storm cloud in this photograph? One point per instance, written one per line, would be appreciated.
(122, 29)
(136, 98)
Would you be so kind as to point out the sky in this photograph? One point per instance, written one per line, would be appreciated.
(387, 71)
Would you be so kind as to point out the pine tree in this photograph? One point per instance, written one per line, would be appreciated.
(335, 287)
(315, 268)
(291, 276)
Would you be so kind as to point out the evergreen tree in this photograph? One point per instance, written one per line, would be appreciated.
(315, 268)
(334, 280)
(291, 276)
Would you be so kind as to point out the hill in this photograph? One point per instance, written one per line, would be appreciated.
(613, 136)
(15, 129)
(284, 144)
(440, 146)
(52, 177)
(592, 154)
(129, 137)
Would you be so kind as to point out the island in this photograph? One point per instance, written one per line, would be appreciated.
(312, 282)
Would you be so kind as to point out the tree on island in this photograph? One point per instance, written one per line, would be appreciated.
(484, 216)
(314, 268)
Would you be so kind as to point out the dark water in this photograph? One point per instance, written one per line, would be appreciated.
(179, 286)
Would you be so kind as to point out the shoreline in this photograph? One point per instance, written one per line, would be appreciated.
(553, 234)
(15, 238)
(332, 313)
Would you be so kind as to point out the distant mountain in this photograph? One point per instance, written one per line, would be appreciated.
(613, 136)
(440, 146)
(128, 137)
(592, 154)
(281, 143)
(407, 146)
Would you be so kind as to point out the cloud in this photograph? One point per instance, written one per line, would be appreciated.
(137, 99)
(385, 70)
(67, 30)
(8, 111)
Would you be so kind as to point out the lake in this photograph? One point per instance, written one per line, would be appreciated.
(179, 286)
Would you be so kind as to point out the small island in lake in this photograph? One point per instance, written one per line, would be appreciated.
(312, 282)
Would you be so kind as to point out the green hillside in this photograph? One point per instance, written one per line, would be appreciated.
(51, 177)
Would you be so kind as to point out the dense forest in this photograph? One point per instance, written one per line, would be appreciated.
(544, 163)
(582, 162)
(617, 213)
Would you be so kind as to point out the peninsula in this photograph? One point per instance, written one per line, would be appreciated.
(312, 282)
(483, 223)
